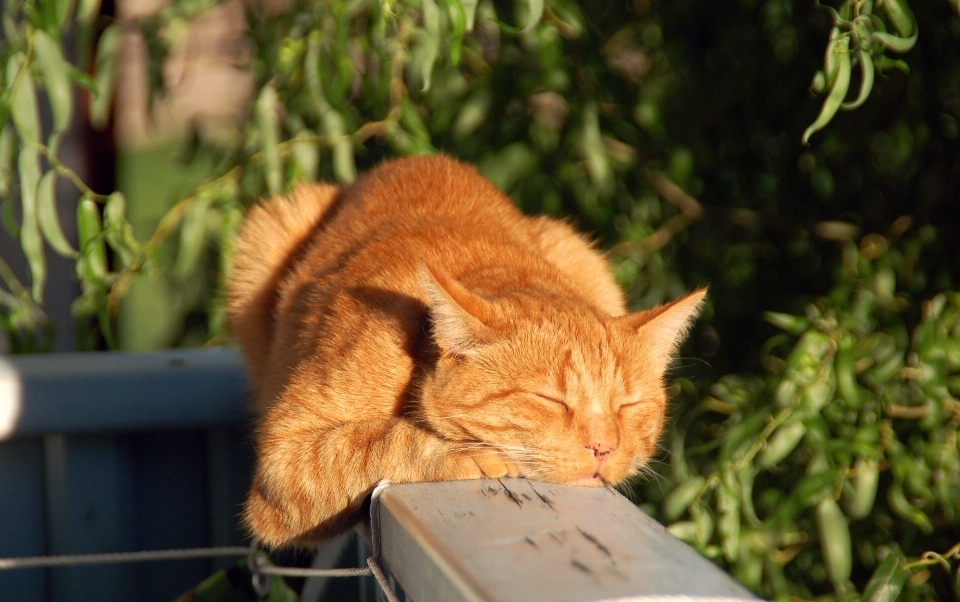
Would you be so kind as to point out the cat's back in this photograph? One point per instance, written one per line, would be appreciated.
(415, 192)
(418, 209)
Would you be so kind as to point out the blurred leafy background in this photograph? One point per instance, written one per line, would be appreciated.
(814, 447)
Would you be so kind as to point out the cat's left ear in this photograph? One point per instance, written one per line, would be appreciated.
(663, 328)
(459, 317)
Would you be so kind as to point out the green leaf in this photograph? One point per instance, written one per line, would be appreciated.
(843, 368)
(740, 435)
(192, 238)
(56, 78)
(87, 11)
(900, 16)
(864, 492)
(746, 476)
(424, 53)
(473, 113)
(11, 32)
(506, 167)
(232, 584)
(887, 581)
(30, 238)
(685, 530)
(306, 154)
(885, 62)
(841, 84)
(92, 265)
(831, 61)
(904, 509)
(34, 17)
(105, 75)
(335, 129)
(269, 123)
(681, 497)
(311, 68)
(834, 541)
(49, 217)
(7, 150)
(119, 232)
(23, 98)
(792, 324)
(783, 441)
(895, 43)
(815, 486)
(728, 504)
(458, 19)
(593, 150)
(469, 11)
(866, 81)
(413, 123)
(533, 17)
(82, 79)
(61, 10)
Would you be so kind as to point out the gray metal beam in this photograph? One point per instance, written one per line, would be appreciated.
(121, 391)
(516, 540)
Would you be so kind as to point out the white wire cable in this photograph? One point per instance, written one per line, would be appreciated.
(386, 590)
(381, 578)
(33, 562)
(375, 516)
(663, 598)
(291, 571)
(257, 560)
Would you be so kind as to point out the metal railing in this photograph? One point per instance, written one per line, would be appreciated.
(487, 540)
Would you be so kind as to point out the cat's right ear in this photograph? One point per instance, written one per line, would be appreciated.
(458, 315)
(663, 328)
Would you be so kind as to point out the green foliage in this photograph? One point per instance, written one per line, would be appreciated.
(845, 453)
(857, 29)
(825, 462)
(33, 59)
(235, 584)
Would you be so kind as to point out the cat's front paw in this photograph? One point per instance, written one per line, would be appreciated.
(476, 464)
(494, 465)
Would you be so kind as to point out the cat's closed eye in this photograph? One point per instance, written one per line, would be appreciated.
(554, 400)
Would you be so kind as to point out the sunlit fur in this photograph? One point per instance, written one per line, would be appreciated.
(415, 326)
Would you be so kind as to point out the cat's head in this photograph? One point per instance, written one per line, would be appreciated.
(569, 394)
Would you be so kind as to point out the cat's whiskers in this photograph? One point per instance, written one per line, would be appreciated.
(658, 478)
(643, 472)
(536, 473)
(529, 461)
(649, 464)
(679, 364)
(663, 449)
(627, 488)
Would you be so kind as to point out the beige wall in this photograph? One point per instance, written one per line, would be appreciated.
(206, 75)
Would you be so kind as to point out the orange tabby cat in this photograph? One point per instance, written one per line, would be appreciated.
(415, 326)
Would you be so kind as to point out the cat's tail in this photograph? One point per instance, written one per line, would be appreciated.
(270, 241)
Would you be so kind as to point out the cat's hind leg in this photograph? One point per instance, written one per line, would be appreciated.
(269, 243)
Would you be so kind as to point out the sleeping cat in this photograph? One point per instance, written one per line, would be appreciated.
(415, 326)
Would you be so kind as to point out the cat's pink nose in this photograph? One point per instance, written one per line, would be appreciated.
(601, 450)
